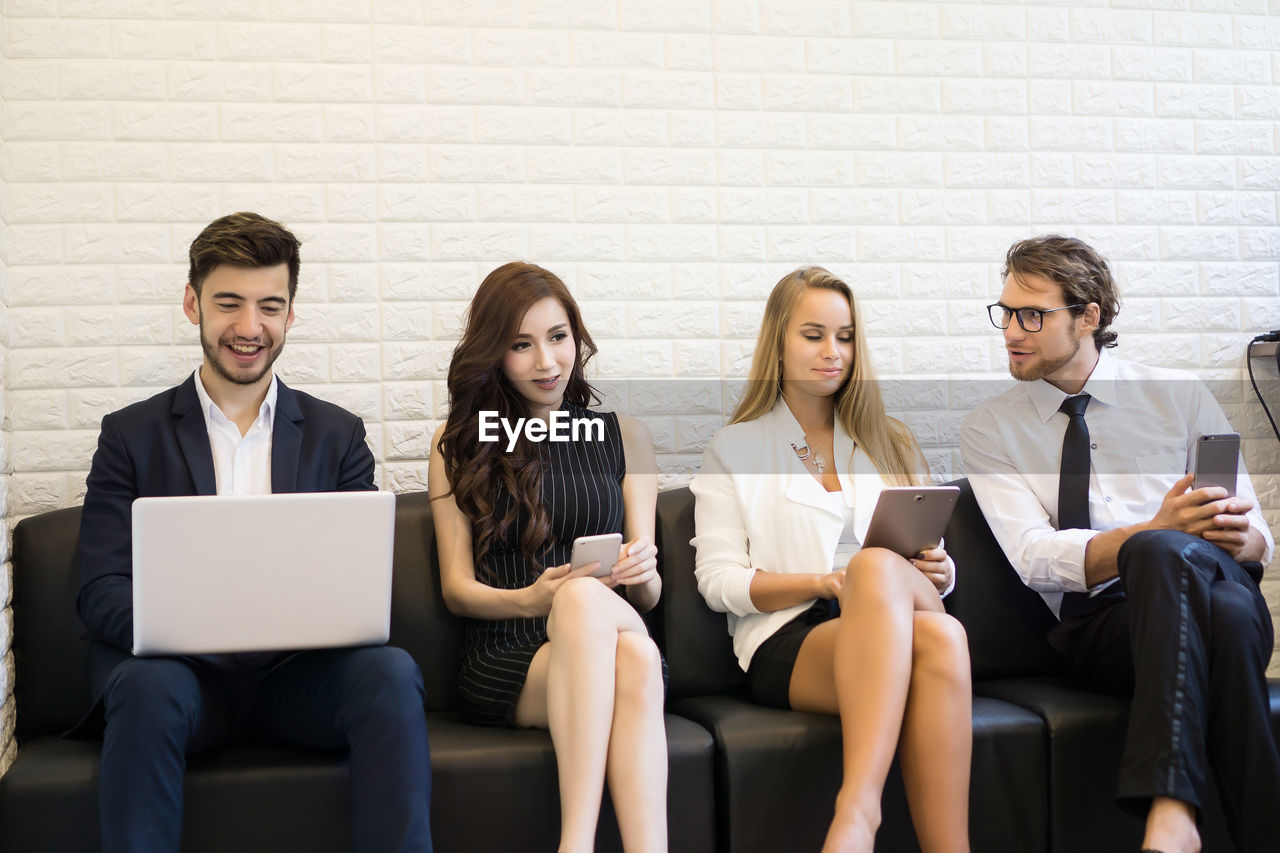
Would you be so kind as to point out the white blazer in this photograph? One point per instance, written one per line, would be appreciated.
(758, 507)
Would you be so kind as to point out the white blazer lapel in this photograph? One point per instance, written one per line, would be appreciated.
(800, 487)
(866, 491)
(808, 493)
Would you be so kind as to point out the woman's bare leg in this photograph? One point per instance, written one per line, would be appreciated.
(937, 734)
(861, 667)
(570, 689)
(637, 763)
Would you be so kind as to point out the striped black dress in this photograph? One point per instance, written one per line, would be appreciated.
(582, 490)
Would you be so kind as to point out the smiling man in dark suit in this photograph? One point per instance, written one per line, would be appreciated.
(233, 428)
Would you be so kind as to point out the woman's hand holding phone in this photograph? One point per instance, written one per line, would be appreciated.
(599, 551)
(637, 562)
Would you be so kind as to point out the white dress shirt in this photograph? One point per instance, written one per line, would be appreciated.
(241, 464)
(759, 507)
(1143, 425)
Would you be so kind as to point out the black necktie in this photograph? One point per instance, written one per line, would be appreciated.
(1073, 482)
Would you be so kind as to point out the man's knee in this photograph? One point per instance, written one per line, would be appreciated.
(1148, 549)
(154, 692)
(1240, 619)
(1153, 557)
(389, 679)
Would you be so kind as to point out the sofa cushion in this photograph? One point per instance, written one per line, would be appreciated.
(1086, 740)
(493, 790)
(511, 775)
(1006, 621)
(50, 653)
(1086, 737)
(420, 622)
(248, 798)
(694, 638)
(777, 773)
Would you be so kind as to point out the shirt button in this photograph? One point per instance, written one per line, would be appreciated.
(1093, 447)
(1108, 498)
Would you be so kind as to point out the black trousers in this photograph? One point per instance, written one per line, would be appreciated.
(1188, 635)
(368, 700)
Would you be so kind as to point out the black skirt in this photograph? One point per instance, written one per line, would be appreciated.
(769, 676)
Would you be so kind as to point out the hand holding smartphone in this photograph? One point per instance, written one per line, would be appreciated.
(602, 549)
(1215, 465)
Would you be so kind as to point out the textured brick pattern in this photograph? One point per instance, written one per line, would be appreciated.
(7, 747)
(669, 158)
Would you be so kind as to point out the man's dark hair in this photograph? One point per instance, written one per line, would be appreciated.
(1077, 268)
(246, 240)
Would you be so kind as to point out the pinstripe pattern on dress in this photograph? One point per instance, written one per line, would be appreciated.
(582, 491)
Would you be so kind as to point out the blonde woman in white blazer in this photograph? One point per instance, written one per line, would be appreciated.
(784, 496)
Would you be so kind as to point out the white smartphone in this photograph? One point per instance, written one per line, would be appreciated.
(908, 520)
(1216, 457)
(602, 549)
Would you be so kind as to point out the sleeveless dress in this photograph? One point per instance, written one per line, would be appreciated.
(582, 491)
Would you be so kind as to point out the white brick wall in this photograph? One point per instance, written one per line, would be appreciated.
(8, 748)
(669, 159)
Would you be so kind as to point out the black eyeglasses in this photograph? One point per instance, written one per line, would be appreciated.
(1030, 319)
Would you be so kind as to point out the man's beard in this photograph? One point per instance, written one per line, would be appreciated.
(1044, 367)
(212, 351)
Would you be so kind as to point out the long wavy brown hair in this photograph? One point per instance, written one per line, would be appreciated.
(479, 471)
(858, 403)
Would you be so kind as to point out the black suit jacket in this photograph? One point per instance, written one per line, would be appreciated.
(160, 447)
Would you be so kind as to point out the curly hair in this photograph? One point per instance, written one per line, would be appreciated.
(1077, 268)
(479, 471)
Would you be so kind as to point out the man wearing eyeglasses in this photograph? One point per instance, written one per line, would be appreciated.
(1080, 471)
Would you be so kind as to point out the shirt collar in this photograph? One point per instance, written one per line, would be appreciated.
(1101, 386)
(214, 415)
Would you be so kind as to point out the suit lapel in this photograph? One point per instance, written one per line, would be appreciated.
(193, 437)
(286, 441)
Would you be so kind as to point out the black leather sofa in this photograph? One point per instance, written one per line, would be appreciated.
(1007, 623)
(777, 771)
(1045, 755)
(492, 789)
(742, 777)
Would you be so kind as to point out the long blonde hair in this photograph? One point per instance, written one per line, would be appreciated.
(858, 404)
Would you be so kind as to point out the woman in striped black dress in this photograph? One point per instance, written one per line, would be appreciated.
(547, 646)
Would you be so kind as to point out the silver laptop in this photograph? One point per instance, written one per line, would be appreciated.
(261, 573)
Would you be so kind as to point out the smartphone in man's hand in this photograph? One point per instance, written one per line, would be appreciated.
(1216, 457)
